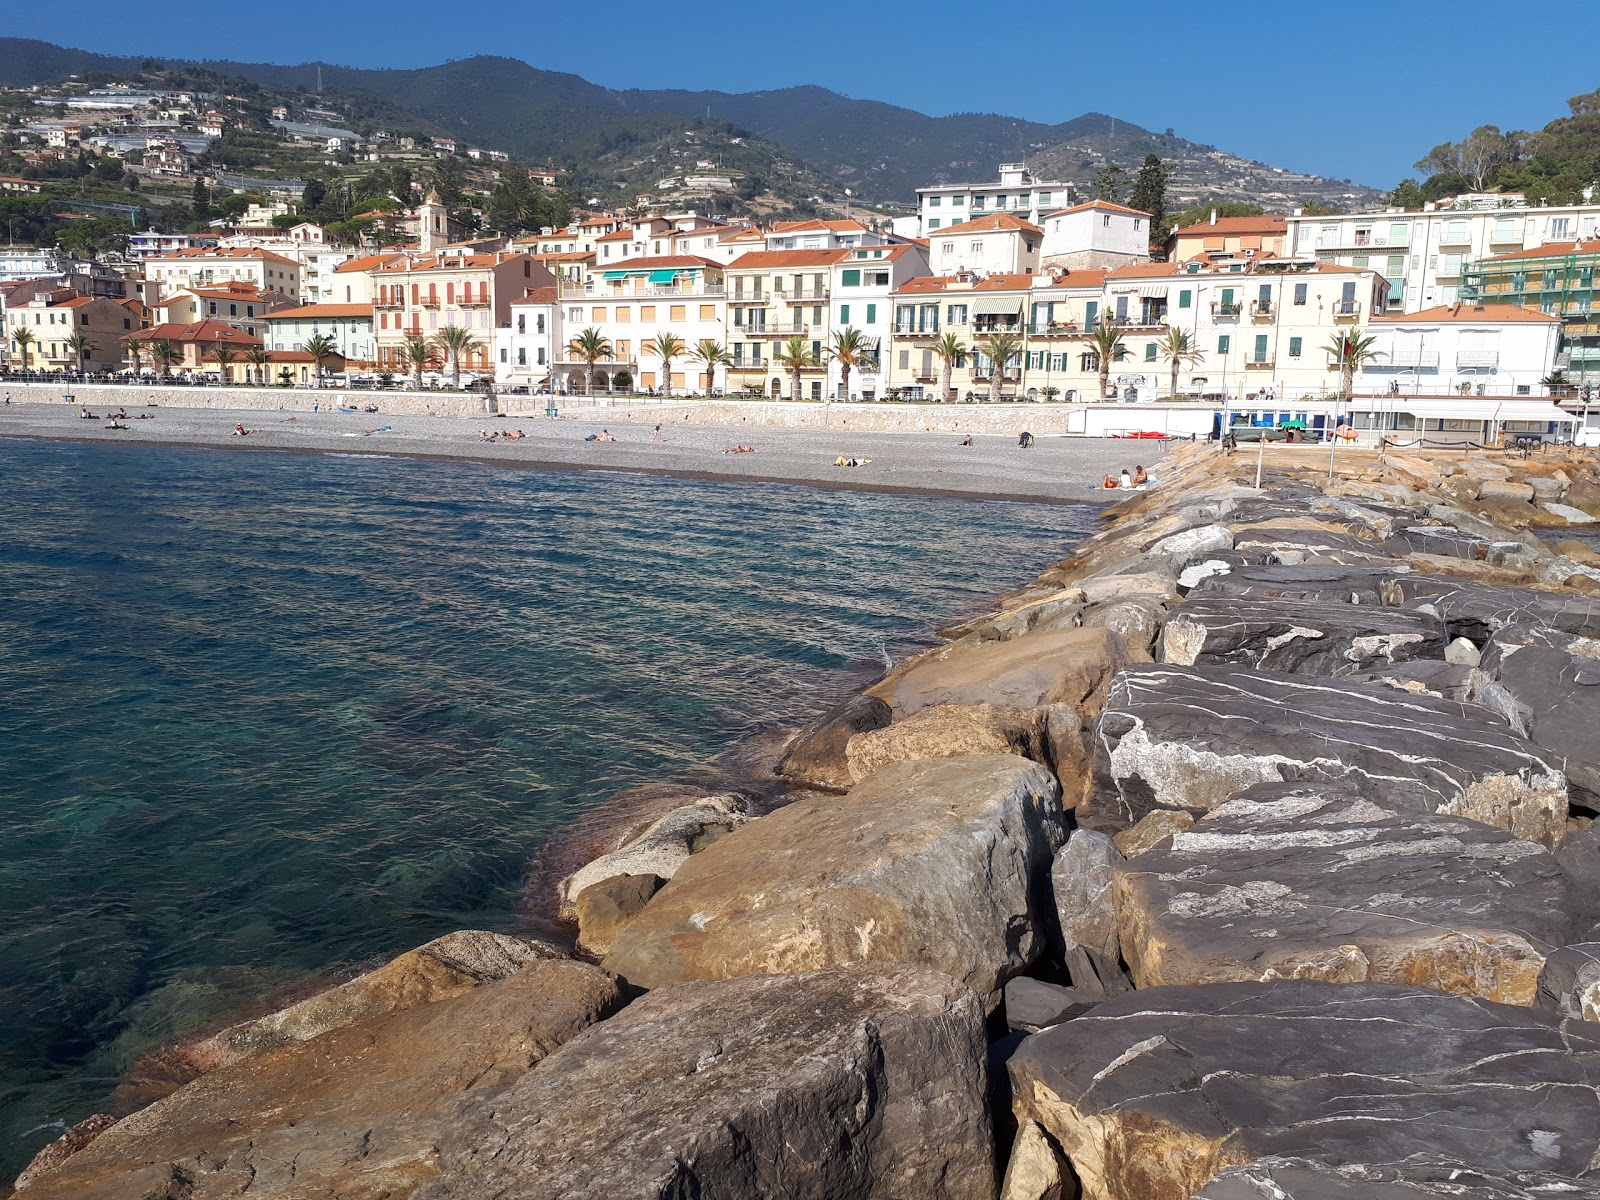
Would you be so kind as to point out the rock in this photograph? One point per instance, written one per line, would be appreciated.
(1579, 856)
(1425, 677)
(1071, 666)
(1199, 570)
(943, 862)
(1309, 637)
(1476, 610)
(362, 1113)
(1159, 586)
(853, 1083)
(947, 731)
(1514, 493)
(1032, 1004)
(1569, 984)
(816, 757)
(662, 847)
(1155, 1093)
(1370, 583)
(1305, 540)
(1546, 685)
(64, 1147)
(1178, 738)
(1297, 881)
(1137, 621)
(1461, 653)
(1080, 880)
(1062, 610)
(1152, 829)
(1066, 740)
(1300, 1179)
(1547, 488)
(1579, 552)
(1037, 1170)
(438, 970)
(605, 908)
(1446, 541)
(1179, 548)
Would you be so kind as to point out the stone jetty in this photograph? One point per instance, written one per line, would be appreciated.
(1247, 852)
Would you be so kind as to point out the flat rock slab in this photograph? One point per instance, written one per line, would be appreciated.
(360, 1113)
(1309, 637)
(945, 862)
(1366, 583)
(854, 1083)
(1297, 1179)
(1296, 881)
(1479, 609)
(1153, 1094)
(1182, 738)
(1546, 685)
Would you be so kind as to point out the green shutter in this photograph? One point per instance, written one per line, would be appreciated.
(844, 311)
(1185, 298)
(1294, 347)
(852, 279)
(1090, 311)
(1261, 347)
(1149, 352)
(872, 314)
(1227, 295)
(1222, 344)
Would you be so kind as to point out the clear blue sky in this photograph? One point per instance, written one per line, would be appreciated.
(1345, 91)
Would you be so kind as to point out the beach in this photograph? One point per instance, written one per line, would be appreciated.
(994, 466)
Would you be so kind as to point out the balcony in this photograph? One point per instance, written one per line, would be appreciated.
(1261, 310)
(1409, 360)
(1505, 237)
(572, 289)
(982, 328)
(429, 302)
(1263, 363)
(1346, 310)
(1457, 238)
(786, 329)
(472, 303)
(750, 298)
(1054, 329)
(388, 304)
(1477, 360)
(1225, 310)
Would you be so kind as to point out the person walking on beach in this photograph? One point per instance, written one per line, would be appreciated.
(656, 436)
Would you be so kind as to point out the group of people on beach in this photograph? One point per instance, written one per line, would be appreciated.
(505, 435)
(1137, 479)
(603, 436)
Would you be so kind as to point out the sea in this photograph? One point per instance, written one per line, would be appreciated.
(264, 716)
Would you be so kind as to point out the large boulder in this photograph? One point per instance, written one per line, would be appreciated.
(1080, 880)
(943, 862)
(606, 908)
(1569, 984)
(1370, 583)
(1298, 881)
(1546, 685)
(948, 731)
(1299, 1179)
(1180, 738)
(1070, 666)
(661, 847)
(1153, 1094)
(360, 1113)
(816, 757)
(1308, 637)
(853, 1083)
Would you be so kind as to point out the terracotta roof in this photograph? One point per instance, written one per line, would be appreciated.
(942, 283)
(321, 310)
(1550, 250)
(875, 254)
(440, 262)
(200, 331)
(235, 252)
(1472, 313)
(1144, 270)
(766, 260)
(1090, 277)
(1103, 204)
(539, 295)
(75, 302)
(620, 235)
(993, 223)
(847, 226)
(681, 262)
(1267, 226)
(367, 262)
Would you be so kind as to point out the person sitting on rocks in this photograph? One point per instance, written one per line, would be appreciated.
(1126, 480)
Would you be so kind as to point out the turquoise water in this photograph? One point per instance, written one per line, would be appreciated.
(264, 712)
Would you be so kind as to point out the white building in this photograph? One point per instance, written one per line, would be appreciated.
(997, 244)
(862, 287)
(1464, 350)
(525, 347)
(348, 326)
(173, 270)
(1096, 233)
(1017, 191)
(1421, 254)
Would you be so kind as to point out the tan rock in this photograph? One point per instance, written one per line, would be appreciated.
(947, 731)
(1067, 742)
(64, 1147)
(1037, 1169)
(1151, 829)
(606, 908)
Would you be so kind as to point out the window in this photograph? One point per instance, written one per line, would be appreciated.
(872, 314)
(933, 201)
(647, 312)
(1149, 352)
(1222, 344)
(1045, 197)
(947, 247)
(675, 313)
(539, 356)
(878, 278)
(522, 323)
(957, 201)
(977, 247)
(844, 314)
(1185, 298)
(1105, 221)
(538, 323)
(1089, 361)
(597, 315)
(1260, 354)
(1397, 234)
(851, 278)
(708, 312)
(1359, 262)
(905, 360)
(1264, 293)
(1397, 265)
(955, 314)
(977, 202)
(933, 223)
(1294, 346)
(1299, 293)
(1090, 311)
(624, 314)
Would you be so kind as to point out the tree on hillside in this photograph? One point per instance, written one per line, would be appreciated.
(710, 354)
(1110, 182)
(200, 206)
(1407, 194)
(999, 349)
(313, 195)
(1150, 195)
(1478, 158)
(1105, 342)
(952, 352)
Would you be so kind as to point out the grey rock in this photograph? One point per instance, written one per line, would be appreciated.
(1462, 653)
(1546, 684)
(1476, 610)
(854, 1083)
(1060, 611)
(1032, 1004)
(1153, 1094)
(1298, 881)
(816, 757)
(1179, 548)
(1198, 570)
(1369, 583)
(1179, 738)
(1572, 516)
(1515, 493)
(1569, 984)
(1299, 1179)
(1426, 677)
(1137, 621)
(1447, 541)
(1547, 489)
(1309, 637)
(1330, 547)
(1080, 880)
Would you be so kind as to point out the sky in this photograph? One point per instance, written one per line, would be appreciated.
(1350, 92)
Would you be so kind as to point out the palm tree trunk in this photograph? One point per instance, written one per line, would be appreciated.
(666, 378)
(994, 383)
(1105, 379)
(1174, 393)
(709, 377)
(844, 381)
(588, 384)
(945, 376)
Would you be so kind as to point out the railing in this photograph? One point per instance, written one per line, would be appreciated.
(1417, 360)
(1225, 309)
(753, 330)
(1346, 308)
(572, 290)
(1261, 308)
(1254, 363)
(429, 302)
(472, 303)
(1477, 360)
(388, 304)
(1053, 328)
(752, 298)
(1504, 237)
(1012, 326)
(1455, 239)
(916, 330)
(784, 327)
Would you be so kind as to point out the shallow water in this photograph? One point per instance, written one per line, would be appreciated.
(267, 712)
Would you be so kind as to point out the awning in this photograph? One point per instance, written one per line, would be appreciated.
(1468, 408)
(666, 276)
(996, 305)
(1154, 290)
(615, 275)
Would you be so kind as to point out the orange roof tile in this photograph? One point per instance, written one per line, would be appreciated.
(765, 260)
(321, 310)
(1266, 226)
(366, 262)
(539, 295)
(993, 223)
(200, 331)
(1550, 250)
(1475, 313)
(1103, 204)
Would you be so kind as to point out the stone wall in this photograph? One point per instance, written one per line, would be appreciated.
(1041, 419)
(270, 399)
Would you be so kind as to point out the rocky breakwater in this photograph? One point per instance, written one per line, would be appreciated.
(1245, 852)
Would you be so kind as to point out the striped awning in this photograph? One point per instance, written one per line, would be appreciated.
(995, 305)
(1154, 290)
(666, 276)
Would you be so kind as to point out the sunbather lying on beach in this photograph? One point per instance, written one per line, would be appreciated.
(116, 425)
(738, 449)
(239, 431)
(842, 461)
(86, 415)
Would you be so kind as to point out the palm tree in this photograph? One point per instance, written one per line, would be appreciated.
(1351, 350)
(224, 357)
(319, 346)
(136, 346)
(850, 349)
(23, 338)
(164, 353)
(952, 352)
(1106, 338)
(1000, 349)
(78, 342)
(418, 352)
(591, 346)
(1179, 350)
(711, 354)
(795, 356)
(456, 341)
(259, 358)
(666, 347)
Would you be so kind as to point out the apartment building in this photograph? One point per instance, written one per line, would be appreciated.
(196, 344)
(1094, 234)
(352, 279)
(1424, 255)
(348, 326)
(1556, 279)
(1465, 350)
(242, 305)
(968, 305)
(630, 303)
(53, 316)
(997, 244)
(1017, 191)
(823, 235)
(525, 348)
(418, 296)
(1230, 238)
(178, 270)
(773, 295)
(861, 297)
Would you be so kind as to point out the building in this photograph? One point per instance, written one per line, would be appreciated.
(997, 244)
(1230, 237)
(196, 344)
(1423, 254)
(1096, 233)
(53, 316)
(1017, 192)
(176, 270)
(28, 262)
(526, 346)
(773, 295)
(629, 304)
(1557, 279)
(352, 279)
(862, 287)
(348, 326)
(418, 296)
(1464, 350)
(969, 306)
(143, 245)
(241, 305)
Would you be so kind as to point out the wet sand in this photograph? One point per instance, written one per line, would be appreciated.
(1055, 469)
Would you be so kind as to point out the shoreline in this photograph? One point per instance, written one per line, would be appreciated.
(1055, 470)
